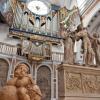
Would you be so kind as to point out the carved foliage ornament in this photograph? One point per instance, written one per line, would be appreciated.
(73, 82)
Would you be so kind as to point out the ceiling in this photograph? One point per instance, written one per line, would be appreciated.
(94, 24)
(68, 3)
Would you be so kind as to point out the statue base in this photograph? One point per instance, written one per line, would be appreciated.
(78, 82)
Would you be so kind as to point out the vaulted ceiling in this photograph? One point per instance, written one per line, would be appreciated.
(67, 3)
(94, 24)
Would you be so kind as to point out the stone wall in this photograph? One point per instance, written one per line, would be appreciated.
(4, 67)
(78, 83)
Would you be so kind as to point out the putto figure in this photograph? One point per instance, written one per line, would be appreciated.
(21, 87)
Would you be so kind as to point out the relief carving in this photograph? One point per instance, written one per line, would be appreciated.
(98, 84)
(89, 83)
(96, 47)
(73, 82)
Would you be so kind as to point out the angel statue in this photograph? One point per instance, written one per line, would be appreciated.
(21, 86)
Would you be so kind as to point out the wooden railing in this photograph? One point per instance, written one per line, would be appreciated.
(7, 49)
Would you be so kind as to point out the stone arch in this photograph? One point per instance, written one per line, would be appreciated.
(5, 60)
(44, 65)
(44, 80)
(4, 68)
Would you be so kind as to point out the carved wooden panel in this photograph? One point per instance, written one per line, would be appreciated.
(44, 82)
(3, 72)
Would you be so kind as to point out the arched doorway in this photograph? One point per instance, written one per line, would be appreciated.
(44, 82)
(4, 66)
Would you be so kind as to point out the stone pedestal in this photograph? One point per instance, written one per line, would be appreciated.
(78, 82)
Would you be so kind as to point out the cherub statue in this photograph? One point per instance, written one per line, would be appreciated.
(89, 54)
(21, 87)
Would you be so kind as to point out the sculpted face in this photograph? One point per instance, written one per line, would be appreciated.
(78, 36)
(21, 71)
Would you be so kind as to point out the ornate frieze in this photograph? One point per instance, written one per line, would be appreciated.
(78, 82)
(73, 82)
(89, 83)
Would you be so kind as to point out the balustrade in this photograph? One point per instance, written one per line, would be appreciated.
(57, 56)
(7, 49)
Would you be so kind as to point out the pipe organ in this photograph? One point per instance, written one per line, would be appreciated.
(24, 19)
